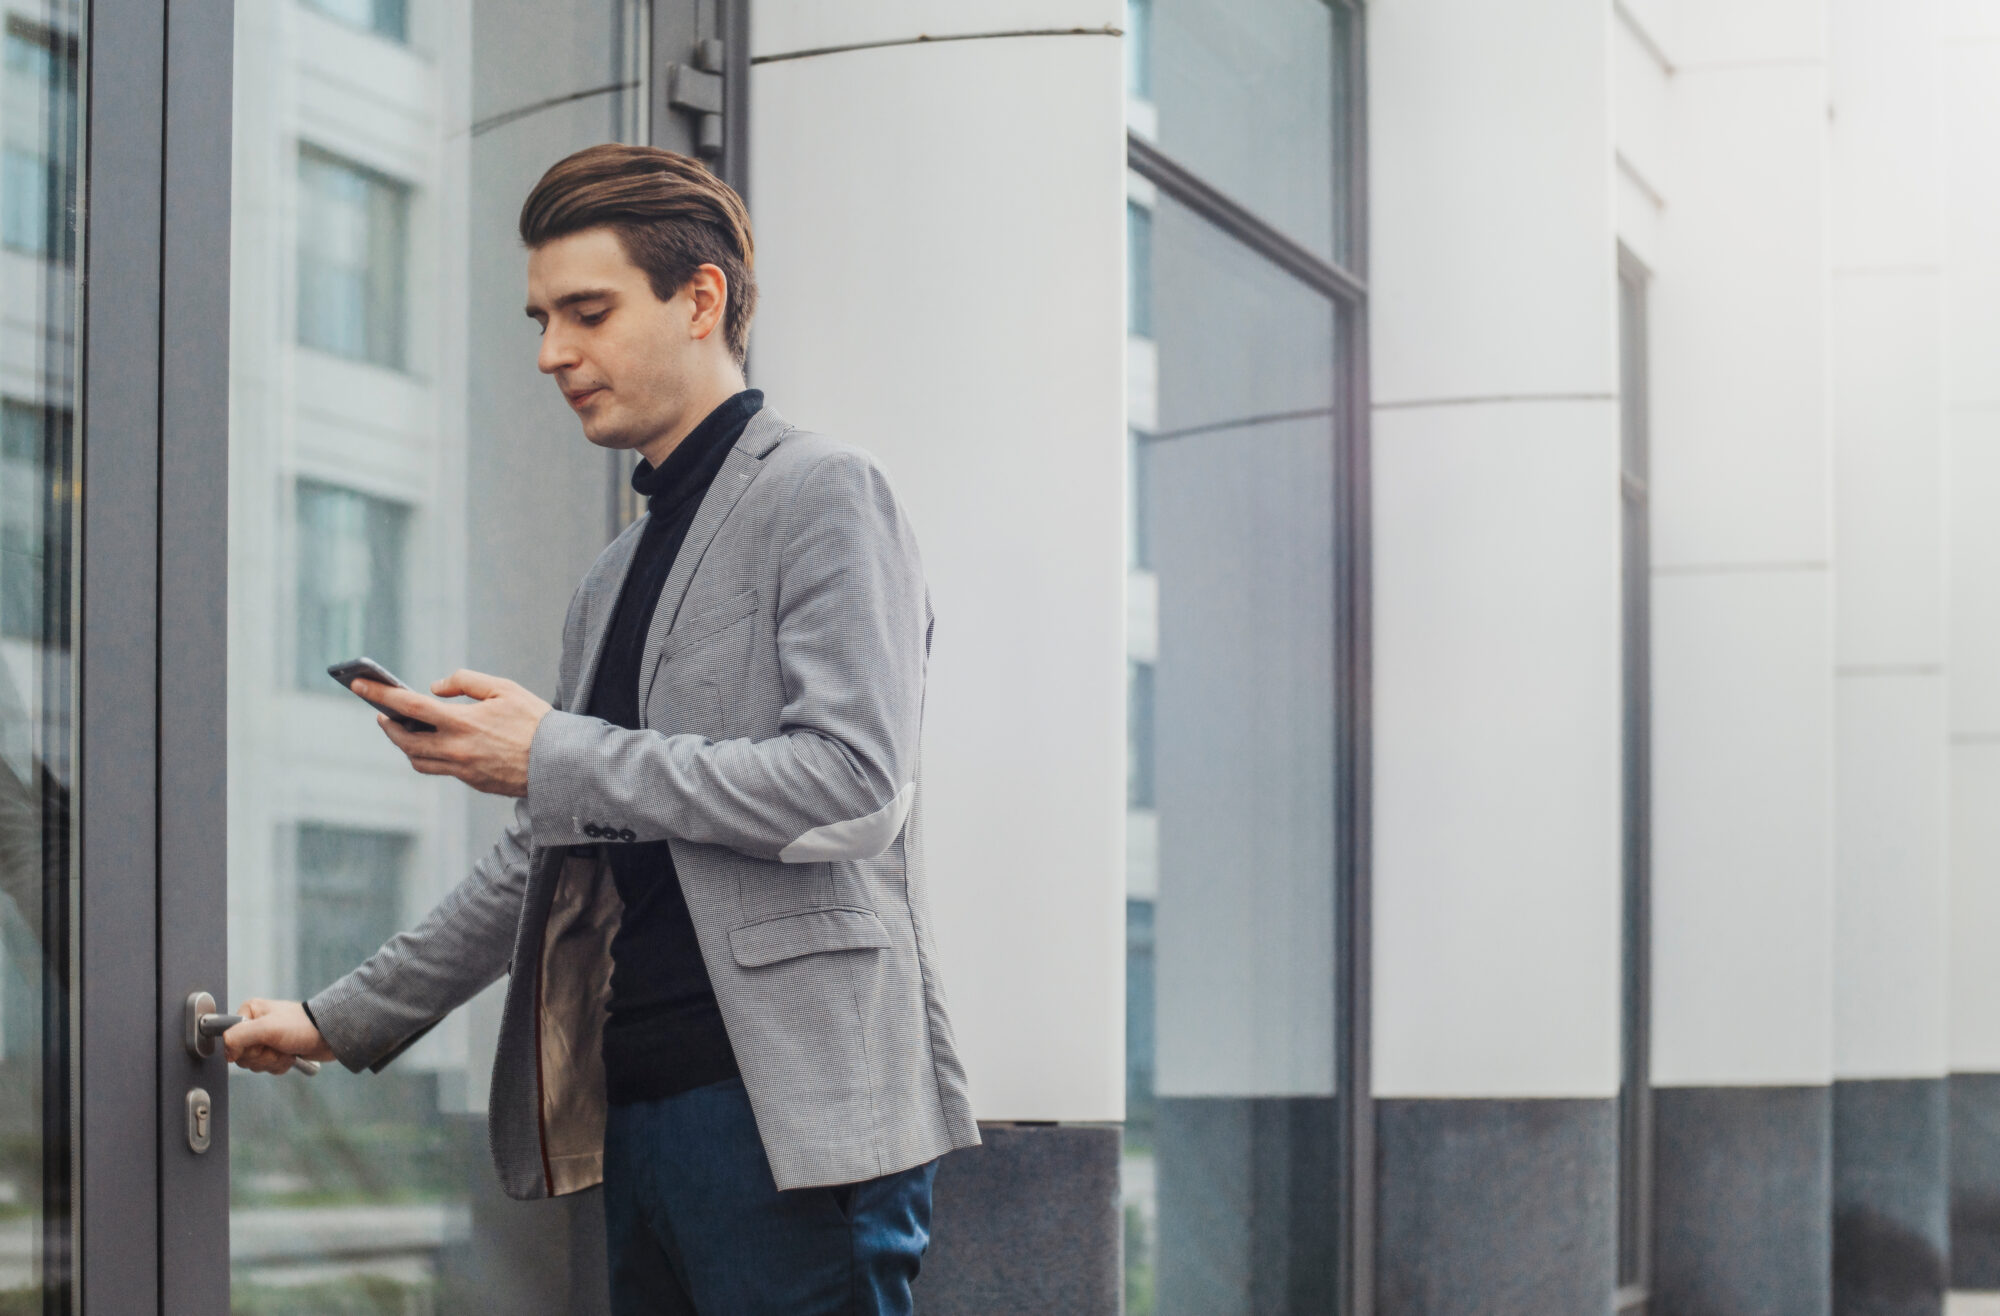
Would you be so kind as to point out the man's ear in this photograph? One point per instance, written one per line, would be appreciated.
(708, 289)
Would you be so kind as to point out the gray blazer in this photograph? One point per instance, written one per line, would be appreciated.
(782, 693)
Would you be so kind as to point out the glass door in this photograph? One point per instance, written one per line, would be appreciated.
(399, 481)
(39, 232)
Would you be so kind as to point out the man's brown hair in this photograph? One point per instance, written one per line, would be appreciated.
(670, 213)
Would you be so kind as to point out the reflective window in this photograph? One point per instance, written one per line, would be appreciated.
(1240, 376)
(39, 218)
(433, 514)
(38, 181)
(353, 242)
(1252, 95)
(351, 564)
(389, 18)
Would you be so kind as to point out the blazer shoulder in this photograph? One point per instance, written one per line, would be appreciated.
(812, 467)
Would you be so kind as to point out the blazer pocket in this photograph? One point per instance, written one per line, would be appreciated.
(808, 932)
(710, 621)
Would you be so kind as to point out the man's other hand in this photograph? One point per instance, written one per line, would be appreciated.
(273, 1036)
(485, 745)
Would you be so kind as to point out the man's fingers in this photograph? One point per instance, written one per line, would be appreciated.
(419, 745)
(465, 681)
(242, 1039)
(407, 702)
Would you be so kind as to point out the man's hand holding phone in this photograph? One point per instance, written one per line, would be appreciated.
(274, 1036)
(483, 744)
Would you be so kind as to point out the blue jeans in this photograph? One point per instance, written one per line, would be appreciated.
(696, 1224)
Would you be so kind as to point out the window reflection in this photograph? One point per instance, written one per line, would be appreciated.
(387, 18)
(353, 236)
(1235, 395)
(351, 581)
(403, 484)
(37, 131)
(39, 215)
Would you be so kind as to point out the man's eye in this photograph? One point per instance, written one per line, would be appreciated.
(593, 318)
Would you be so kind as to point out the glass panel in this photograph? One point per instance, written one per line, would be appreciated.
(39, 169)
(1231, 1117)
(404, 484)
(1253, 96)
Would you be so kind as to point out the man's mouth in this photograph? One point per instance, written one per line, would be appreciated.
(578, 397)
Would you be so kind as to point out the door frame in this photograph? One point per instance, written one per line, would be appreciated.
(152, 1229)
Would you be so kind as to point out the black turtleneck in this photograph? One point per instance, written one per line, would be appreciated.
(665, 1034)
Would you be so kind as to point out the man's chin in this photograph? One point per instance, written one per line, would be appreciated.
(605, 436)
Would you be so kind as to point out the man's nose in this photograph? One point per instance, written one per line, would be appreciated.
(557, 353)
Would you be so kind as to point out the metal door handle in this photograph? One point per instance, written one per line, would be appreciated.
(204, 1025)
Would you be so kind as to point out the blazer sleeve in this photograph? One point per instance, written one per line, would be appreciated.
(372, 1015)
(837, 781)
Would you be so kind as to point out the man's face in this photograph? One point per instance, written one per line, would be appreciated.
(621, 356)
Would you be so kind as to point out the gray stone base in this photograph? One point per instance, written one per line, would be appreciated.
(1496, 1207)
(1975, 1181)
(1743, 1196)
(1027, 1224)
(1890, 1178)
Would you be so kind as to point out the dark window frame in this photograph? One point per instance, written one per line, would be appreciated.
(1635, 1100)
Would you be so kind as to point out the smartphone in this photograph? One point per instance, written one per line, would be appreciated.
(367, 669)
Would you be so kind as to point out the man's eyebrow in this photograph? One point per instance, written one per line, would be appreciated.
(572, 298)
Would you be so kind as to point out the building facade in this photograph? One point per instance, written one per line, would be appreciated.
(1458, 534)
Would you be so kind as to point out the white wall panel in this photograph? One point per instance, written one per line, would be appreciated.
(1970, 60)
(1888, 395)
(1974, 435)
(1740, 461)
(1742, 764)
(1889, 877)
(782, 27)
(1713, 33)
(1890, 882)
(1975, 906)
(1971, 77)
(1491, 189)
(1496, 751)
(962, 317)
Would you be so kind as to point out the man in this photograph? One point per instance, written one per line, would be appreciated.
(723, 997)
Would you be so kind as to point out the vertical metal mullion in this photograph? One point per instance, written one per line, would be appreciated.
(734, 22)
(194, 627)
(118, 900)
(1357, 890)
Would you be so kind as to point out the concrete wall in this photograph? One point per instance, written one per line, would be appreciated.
(941, 265)
(1497, 659)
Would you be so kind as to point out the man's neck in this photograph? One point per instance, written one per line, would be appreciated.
(720, 390)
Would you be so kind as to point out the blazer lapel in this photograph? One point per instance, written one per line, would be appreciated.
(738, 470)
(599, 607)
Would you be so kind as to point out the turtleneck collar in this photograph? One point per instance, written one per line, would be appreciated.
(689, 468)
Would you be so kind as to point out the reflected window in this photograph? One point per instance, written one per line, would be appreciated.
(389, 18)
(1138, 271)
(1139, 49)
(350, 899)
(1240, 367)
(37, 139)
(29, 436)
(353, 244)
(350, 581)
